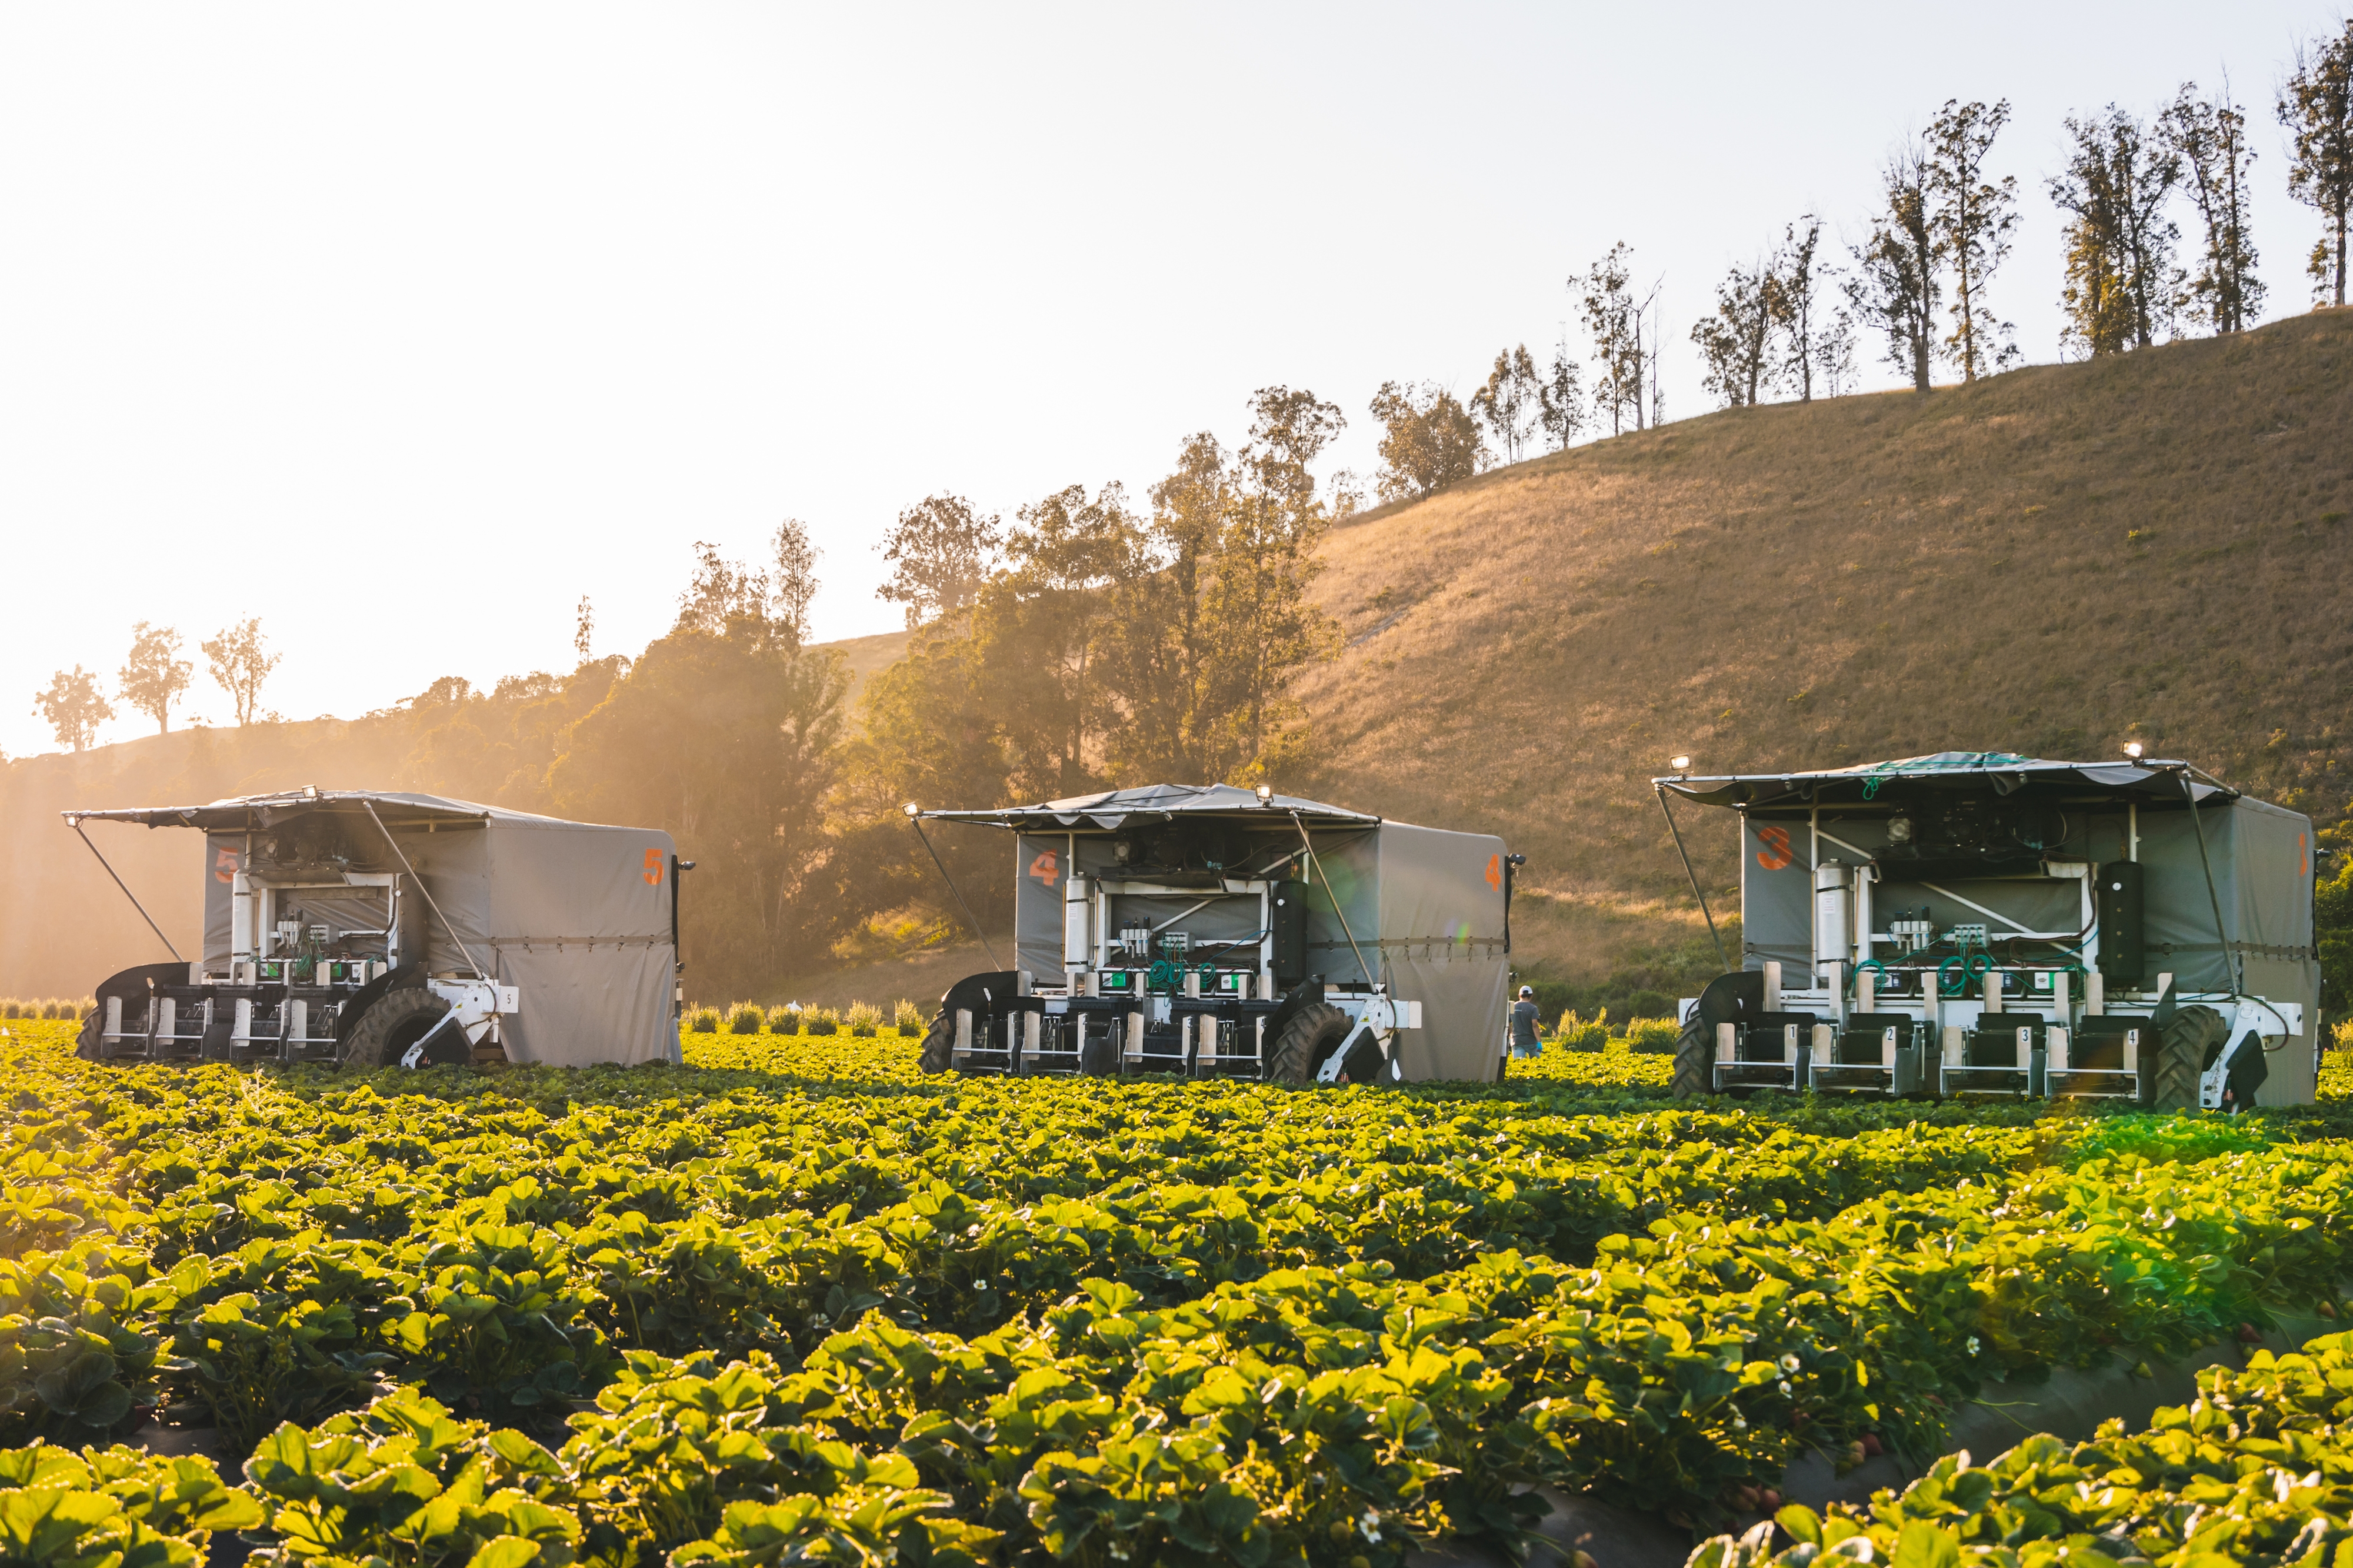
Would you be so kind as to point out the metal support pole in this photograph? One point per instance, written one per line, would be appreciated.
(2231, 971)
(421, 887)
(75, 822)
(1685, 857)
(1316, 860)
(916, 823)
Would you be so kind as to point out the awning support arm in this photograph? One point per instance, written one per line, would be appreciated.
(917, 825)
(1685, 857)
(421, 887)
(1316, 860)
(76, 823)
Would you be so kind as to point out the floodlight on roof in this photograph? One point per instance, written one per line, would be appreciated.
(2132, 749)
(1680, 764)
(1265, 794)
(913, 810)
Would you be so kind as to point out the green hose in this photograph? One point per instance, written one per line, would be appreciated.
(1972, 965)
(1856, 978)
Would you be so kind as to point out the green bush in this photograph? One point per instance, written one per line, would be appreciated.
(1651, 1036)
(745, 1019)
(865, 1019)
(11, 1008)
(785, 1021)
(703, 1021)
(1576, 1034)
(78, 1346)
(908, 1018)
(824, 1021)
(113, 1506)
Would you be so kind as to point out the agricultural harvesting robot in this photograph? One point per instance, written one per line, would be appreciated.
(1983, 923)
(1214, 932)
(379, 930)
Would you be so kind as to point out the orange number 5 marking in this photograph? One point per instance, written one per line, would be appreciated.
(653, 867)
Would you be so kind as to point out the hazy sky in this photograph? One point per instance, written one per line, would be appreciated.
(404, 327)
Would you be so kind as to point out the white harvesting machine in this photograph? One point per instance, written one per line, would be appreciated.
(1984, 923)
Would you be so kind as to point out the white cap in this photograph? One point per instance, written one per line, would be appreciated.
(1527, 991)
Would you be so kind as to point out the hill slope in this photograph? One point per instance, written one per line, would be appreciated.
(2050, 561)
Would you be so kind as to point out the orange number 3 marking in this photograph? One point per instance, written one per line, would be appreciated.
(1775, 853)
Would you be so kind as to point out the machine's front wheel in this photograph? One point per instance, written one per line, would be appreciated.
(2181, 1047)
(939, 1044)
(1310, 1036)
(398, 1020)
(1691, 1061)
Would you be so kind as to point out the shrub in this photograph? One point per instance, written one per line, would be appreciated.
(908, 1018)
(1653, 1036)
(824, 1021)
(1577, 1034)
(865, 1019)
(703, 1020)
(785, 1021)
(11, 1008)
(744, 1019)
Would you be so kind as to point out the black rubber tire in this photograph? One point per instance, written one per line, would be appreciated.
(1312, 1034)
(2181, 1057)
(1691, 1050)
(386, 1030)
(939, 1044)
(1099, 1057)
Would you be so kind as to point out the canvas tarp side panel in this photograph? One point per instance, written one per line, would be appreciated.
(1349, 861)
(224, 857)
(1777, 892)
(1040, 880)
(2272, 854)
(578, 917)
(2178, 933)
(1440, 931)
(455, 868)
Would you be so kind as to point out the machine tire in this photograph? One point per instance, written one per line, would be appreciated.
(2182, 1044)
(1691, 1049)
(1313, 1033)
(386, 1030)
(1099, 1059)
(939, 1044)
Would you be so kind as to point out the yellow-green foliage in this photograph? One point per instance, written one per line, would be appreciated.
(1652, 1035)
(1576, 1034)
(702, 1020)
(796, 1291)
(784, 1020)
(744, 1018)
(865, 1019)
(907, 1019)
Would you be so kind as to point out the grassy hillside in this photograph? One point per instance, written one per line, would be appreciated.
(2052, 561)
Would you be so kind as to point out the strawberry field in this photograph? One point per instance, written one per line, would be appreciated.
(792, 1302)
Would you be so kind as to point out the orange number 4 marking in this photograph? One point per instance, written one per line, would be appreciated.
(1045, 867)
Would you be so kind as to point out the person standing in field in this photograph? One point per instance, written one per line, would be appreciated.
(1523, 1024)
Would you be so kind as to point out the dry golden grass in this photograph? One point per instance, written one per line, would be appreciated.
(2050, 561)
